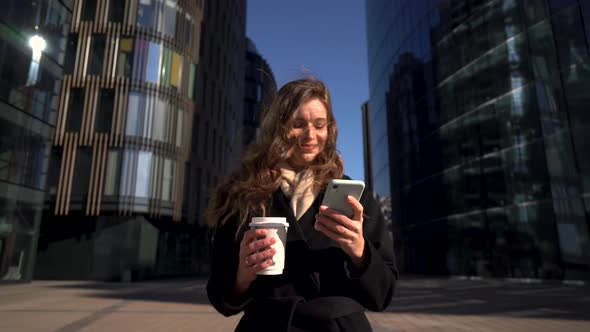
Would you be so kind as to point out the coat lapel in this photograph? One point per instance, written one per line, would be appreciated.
(281, 207)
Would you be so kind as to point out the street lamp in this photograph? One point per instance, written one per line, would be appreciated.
(37, 44)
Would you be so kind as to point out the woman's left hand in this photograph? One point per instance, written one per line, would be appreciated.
(347, 232)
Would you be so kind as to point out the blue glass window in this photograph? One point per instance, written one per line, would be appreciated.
(170, 17)
(153, 63)
(144, 169)
(140, 59)
(145, 13)
(135, 113)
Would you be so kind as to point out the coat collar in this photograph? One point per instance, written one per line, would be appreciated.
(301, 230)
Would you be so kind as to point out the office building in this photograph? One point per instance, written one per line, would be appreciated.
(260, 87)
(121, 143)
(383, 200)
(479, 134)
(217, 137)
(33, 40)
(367, 154)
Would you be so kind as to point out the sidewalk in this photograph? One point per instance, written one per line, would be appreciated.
(181, 305)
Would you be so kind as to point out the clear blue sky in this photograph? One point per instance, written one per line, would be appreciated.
(328, 39)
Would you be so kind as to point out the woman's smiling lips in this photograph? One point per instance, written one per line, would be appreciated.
(307, 147)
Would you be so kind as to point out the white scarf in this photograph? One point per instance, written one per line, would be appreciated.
(299, 188)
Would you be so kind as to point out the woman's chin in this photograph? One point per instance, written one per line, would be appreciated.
(303, 160)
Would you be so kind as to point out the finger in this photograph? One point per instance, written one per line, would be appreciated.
(262, 265)
(328, 232)
(246, 261)
(258, 245)
(329, 211)
(261, 256)
(357, 208)
(340, 218)
(252, 234)
(335, 227)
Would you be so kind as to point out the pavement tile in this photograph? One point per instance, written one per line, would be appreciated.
(161, 322)
(181, 305)
(35, 321)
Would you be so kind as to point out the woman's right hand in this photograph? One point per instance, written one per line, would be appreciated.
(255, 255)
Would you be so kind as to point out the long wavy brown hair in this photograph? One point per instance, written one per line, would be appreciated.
(247, 192)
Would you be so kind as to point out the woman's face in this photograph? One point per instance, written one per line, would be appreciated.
(310, 130)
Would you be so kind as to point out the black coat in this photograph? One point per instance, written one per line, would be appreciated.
(319, 289)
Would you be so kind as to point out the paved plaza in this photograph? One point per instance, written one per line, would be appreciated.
(181, 305)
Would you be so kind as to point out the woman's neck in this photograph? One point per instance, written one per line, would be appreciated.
(297, 168)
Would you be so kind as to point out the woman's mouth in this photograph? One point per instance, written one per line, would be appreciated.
(307, 147)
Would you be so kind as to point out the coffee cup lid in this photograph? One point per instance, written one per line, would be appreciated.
(268, 222)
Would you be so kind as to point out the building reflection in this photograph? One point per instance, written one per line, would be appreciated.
(484, 148)
(32, 48)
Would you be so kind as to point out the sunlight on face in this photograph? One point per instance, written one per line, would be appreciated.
(310, 128)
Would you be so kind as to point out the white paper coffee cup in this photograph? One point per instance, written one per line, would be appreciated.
(277, 228)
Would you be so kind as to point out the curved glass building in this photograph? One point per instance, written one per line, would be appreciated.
(480, 131)
(122, 140)
(126, 106)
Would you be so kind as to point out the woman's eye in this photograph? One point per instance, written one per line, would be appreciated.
(298, 125)
(320, 126)
(303, 125)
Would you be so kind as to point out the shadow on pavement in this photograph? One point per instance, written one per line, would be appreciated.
(414, 296)
(492, 297)
(181, 291)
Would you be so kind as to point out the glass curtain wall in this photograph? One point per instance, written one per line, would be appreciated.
(480, 109)
(32, 49)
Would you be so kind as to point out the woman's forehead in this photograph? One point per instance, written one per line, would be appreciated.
(311, 110)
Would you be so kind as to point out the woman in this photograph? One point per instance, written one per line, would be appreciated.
(335, 266)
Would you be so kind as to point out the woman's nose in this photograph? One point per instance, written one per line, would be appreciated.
(309, 132)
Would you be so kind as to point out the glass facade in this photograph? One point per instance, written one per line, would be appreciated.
(479, 130)
(152, 117)
(30, 77)
(121, 142)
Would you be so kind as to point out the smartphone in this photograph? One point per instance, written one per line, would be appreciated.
(338, 190)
